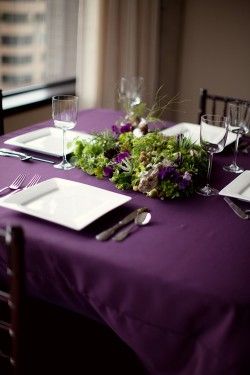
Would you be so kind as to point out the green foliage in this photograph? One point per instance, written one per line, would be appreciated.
(156, 165)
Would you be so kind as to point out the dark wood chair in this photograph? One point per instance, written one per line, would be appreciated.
(215, 104)
(11, 301)
(1, 114)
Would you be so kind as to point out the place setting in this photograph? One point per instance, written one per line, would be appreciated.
(237, 122)
(57, 200)
(52, 140)
(237, 195)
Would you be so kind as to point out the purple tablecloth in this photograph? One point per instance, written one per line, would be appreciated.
(177, 291)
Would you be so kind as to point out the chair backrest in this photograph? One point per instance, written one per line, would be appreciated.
(12, 301)
(215, 104)
(1, 114)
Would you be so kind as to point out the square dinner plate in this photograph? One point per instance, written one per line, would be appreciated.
(46, 140)
(239, 188)
(68, 203)
(192, 131)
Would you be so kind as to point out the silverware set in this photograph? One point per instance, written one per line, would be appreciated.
(16, 185)
(243, 214)
(139, 217)
(22, 156)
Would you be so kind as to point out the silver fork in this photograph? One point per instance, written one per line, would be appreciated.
(16, 183)
(35, 179)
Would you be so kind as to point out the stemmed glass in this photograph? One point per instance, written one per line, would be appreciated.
(239, 122)
(213, 136)
(64, 114)
(130, 92)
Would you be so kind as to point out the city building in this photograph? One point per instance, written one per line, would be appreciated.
(37, 41)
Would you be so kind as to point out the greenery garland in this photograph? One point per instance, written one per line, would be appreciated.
(153, 164)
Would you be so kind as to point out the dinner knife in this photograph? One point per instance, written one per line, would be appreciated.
(106, 234)
(9, 152)
(241, 213)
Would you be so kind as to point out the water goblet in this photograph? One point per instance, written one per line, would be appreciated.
(64, 114)
(239, 123)
(213, 136)
(130, 92)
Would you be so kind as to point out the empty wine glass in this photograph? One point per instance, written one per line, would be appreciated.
(213, 136)
(239, 123)
(64, 114)
(130, 92)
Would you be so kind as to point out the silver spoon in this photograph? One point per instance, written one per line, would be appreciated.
(142, 218)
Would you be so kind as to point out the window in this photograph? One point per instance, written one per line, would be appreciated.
(13, 17)
(39, 17)
(17, 79)
(14, 40)
(40, 37)
(16, 60)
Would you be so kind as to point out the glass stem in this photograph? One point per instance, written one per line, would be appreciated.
(210, 161)
(236, 149)
(64, 154)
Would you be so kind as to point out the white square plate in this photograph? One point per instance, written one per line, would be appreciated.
(192, 131)
(46, 140)
(64, 202)
(239, 187)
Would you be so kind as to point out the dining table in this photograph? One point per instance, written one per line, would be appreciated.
(176, 291)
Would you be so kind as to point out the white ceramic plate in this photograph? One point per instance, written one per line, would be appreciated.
(64, 202)
(192, 131)
(46, 140)
(239, 187)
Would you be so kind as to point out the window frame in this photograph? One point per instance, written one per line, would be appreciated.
(31, 97)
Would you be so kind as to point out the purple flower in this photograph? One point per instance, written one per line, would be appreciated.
(187, 176)
(122, 155)
(168, 173)
(115, 129)
(126, 128)
(108, 171)
(183, 184)
(185, 181)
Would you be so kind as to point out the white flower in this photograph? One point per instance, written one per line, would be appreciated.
(137, 133)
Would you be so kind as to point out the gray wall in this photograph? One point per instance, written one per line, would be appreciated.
(214, 51)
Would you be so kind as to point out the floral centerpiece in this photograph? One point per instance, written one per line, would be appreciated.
(133, 157)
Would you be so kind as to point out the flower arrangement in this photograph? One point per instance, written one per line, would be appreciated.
(148, 162)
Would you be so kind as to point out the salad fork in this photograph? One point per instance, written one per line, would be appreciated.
(16, 183)
(35, 179)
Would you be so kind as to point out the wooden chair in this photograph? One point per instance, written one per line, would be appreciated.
(1, 114)
(210, 103)
(11, 302)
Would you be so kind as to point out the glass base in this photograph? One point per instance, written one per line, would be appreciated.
(234, 168)
(64, 165)
(207, 191)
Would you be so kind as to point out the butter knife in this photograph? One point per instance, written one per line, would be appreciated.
(13, 153)
(106, 234)
(241, 213)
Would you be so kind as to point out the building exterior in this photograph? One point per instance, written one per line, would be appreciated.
(37, 41)
(22, 43)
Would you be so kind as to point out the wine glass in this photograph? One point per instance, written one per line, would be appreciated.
(130, 92)
(64, 114)
(213, 136)
(239, 122)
